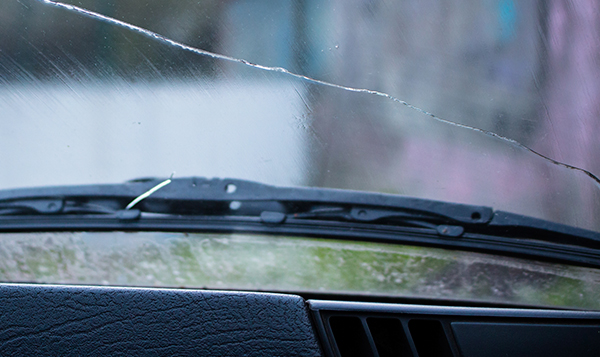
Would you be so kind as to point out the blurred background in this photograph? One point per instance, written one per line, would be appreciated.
(86, 101)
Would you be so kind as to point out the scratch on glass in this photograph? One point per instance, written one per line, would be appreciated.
(202, 52)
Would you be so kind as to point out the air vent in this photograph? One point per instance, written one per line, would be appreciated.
(389, 338)
(369, 336)
(350, 336)
(429, 338)
(386, 336)
(382, 330)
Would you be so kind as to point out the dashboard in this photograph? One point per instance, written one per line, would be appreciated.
(61, 320)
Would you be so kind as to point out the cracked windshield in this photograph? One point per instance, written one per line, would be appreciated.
(492, 103)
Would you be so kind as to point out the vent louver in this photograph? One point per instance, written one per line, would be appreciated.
(350, 336)
(429, 338)
(389, 337)
(357, 335)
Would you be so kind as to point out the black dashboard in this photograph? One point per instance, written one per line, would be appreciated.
(58, 320)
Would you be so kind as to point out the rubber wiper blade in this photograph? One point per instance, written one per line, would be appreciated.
(197, 195)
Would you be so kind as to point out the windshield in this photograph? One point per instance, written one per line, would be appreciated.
(493, 103)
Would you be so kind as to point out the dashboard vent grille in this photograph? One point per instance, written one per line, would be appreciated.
(382, 330)
(363, 335)
(429, 338)
(388, 336)
(350, 336)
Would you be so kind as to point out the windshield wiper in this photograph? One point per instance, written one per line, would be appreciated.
(231, 197)
(200, 204)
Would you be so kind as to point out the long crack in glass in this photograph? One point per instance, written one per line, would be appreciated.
(312, 80)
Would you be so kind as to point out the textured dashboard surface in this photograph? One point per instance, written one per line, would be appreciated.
(71, 320)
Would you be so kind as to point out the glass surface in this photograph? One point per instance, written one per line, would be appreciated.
(493, 103)
(278, 263)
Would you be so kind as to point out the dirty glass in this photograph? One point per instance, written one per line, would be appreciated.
(490, 102)
(280, 263)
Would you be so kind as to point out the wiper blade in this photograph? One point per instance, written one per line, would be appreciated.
(313, 211)
(199, 196)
